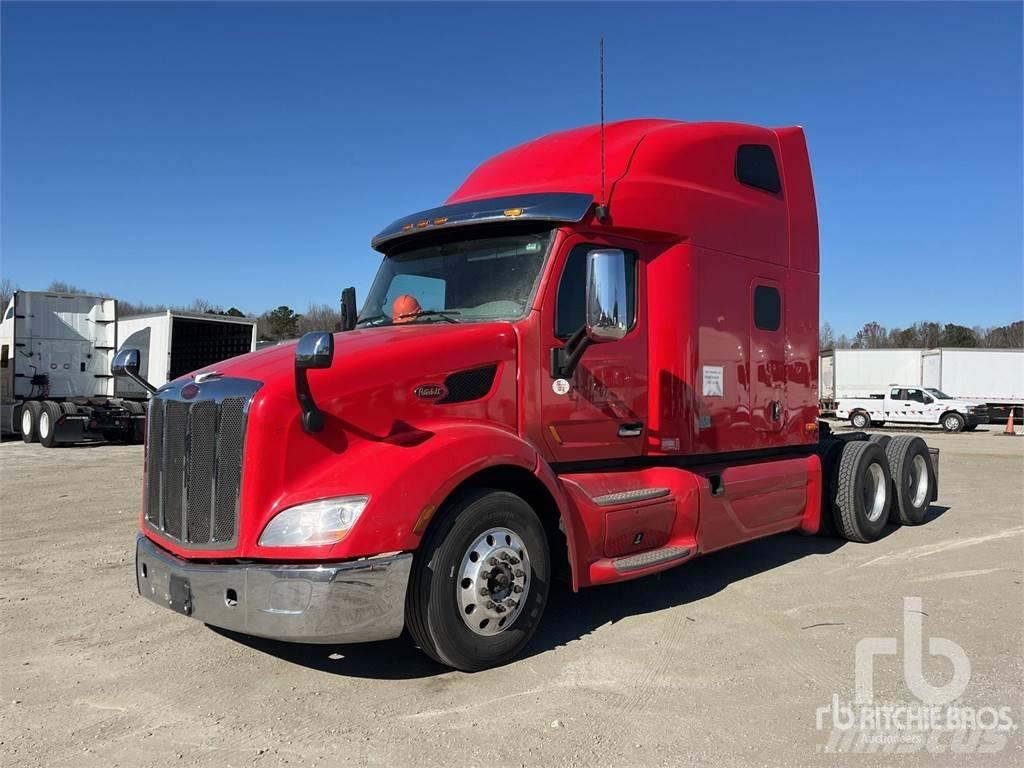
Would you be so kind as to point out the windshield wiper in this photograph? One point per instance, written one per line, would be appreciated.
(371, 319)
(444, 314)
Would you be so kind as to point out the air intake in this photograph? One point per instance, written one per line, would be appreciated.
(468, 385)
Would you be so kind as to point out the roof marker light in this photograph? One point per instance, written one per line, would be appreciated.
(441, 220)
(513, 212)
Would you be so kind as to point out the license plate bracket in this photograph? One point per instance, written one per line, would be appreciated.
(179, 595)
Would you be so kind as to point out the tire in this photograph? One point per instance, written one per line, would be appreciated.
(913, 479)
(68, 409)
(863, 491)
(46, 426)
(953, 422)
(860, 420)
(437, 600)
(30, 421)
(134, 408)
(882, 440)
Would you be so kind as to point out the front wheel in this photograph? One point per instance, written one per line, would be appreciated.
(480, 581)
(953, 422)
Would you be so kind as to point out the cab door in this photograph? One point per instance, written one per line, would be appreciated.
(915, 405)
(601, 411)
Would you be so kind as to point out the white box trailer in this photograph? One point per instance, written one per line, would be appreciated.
(55, 381)
(865, 372)
(172, 344)
(991, 376)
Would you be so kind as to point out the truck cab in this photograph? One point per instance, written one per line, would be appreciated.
(602, 365)
(912, 405)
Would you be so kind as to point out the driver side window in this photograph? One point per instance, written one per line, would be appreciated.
(570, 307)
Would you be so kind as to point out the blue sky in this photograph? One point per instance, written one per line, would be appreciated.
(247, 152)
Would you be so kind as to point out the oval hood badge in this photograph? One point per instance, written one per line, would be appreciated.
(430, 391)
(189, 391)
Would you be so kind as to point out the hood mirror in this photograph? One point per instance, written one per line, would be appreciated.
(126, 364)
(313, 350)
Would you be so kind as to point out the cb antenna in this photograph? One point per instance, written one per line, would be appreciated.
(602, 208)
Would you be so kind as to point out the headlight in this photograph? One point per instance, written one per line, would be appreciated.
(326, 521)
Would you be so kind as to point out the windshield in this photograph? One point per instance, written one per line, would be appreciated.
(938, 393)
(491, 278)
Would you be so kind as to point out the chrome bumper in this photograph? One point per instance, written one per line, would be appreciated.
(349, 602)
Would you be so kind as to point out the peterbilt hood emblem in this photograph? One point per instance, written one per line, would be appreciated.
(430, 391)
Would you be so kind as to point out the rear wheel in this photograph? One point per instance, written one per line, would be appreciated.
(480, 581)
(952, 422)
(862, 497)
(913, 479)
(47, 424)
(860, 420)
(30, 421)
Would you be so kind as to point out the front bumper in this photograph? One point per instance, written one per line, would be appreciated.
(349, 602)
(975, 419)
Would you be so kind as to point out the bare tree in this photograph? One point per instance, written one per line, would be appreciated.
(826, 338)
(320, 317)
(7, 289)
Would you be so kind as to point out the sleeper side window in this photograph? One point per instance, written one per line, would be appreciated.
(570, 307)
(756, 167)
(767, 308)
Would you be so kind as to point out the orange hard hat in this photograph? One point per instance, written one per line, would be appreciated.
(405, 308)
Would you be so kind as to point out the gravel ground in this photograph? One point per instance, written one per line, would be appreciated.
(723, 661)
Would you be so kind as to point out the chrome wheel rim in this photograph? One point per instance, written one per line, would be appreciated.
(874, 491)
(44, 425)
(860, 421)
(494, 581)
(951, 423)
(26, 421)
(918, 481)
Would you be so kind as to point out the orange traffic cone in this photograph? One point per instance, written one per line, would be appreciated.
(1009, 424)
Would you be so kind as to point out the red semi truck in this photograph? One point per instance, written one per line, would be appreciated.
(602, 362)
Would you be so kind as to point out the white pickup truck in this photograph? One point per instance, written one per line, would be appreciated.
(912, 405)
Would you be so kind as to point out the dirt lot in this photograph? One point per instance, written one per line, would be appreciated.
(724, 661)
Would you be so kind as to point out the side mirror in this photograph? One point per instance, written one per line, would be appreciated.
(349, 311)
(126, 364)
(607, 301)
(314, 350)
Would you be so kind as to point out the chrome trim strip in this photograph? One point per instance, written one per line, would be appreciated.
(624, 497)
(549, 206)
(344, 602)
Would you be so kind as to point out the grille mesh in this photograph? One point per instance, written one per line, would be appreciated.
(468, 385)
(194, 469)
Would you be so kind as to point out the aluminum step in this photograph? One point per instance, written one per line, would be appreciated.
(649, 558)
(625, 497)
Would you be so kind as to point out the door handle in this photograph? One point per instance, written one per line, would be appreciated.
(633, 429)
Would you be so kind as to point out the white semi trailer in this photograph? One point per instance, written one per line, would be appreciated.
(55, 381)
(994, 377)
(174, 343)
(864, 372)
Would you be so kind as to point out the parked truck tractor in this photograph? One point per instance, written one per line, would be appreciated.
(600, 365)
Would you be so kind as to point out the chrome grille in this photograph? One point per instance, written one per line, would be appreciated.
(194, 463)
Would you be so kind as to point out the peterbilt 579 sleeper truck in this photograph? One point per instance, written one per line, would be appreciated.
(607, 373)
